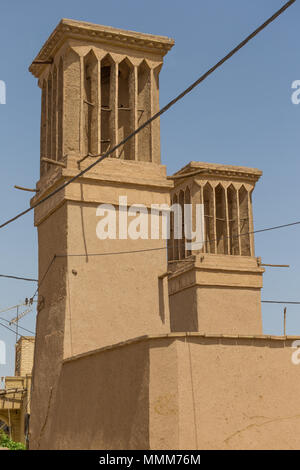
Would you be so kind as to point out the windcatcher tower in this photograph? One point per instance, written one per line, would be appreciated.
(216, 289)
(98, 84)
(107, 372)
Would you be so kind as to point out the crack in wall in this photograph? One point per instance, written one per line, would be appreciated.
(226, 441)
(46, 418)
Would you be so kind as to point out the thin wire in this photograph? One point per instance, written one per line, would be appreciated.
(157, 115)
(154, 249)
(20, 316)
(43, 278)
(148, 249)
(111, 252)
(4, 326)
(267, 229)
(277, 227)
(279, 302)
(22, 328)
(11, 308)
(165, 247)
(19, 278)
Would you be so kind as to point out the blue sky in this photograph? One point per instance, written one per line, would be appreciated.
(242, 115)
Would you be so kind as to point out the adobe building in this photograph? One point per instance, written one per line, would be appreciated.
(15, 397)
(141, 345)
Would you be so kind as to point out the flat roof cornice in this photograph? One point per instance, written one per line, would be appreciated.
(97, 33)
(220, 170)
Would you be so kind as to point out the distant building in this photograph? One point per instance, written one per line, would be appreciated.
(15, 397)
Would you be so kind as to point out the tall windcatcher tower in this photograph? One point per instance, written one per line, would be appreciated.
(98, 84)
(141, 345)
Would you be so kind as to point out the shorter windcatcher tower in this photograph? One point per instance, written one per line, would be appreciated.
(144, 342)
(221, 279)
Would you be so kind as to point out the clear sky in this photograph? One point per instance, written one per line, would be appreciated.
(242, 115)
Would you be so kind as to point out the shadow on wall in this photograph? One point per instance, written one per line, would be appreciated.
(105, 396)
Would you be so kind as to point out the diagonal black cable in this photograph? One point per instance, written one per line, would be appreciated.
(279, 302)
(19, 278)
(20, 327)
(157, 115)
(10, 329)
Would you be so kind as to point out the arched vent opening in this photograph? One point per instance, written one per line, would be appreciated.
(126, 108)
(144, 109)
(244, 222)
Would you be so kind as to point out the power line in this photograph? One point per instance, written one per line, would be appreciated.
(12, 308)
(252, 232)
(110, 253)
(152, 249)
(157, 115)
(279, 302)
(44, 276)
(276, 227)
(19, 278)
(10, 329)
(267, 229)
(22, 328)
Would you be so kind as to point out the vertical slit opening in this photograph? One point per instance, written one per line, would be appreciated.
(221, 234)
(244, 222)
(176, 240)
(144, 109)
(43, 126)
(187, 200)
(49, 117)
(208, 218)
(182, 239)
(171, 237)
(54, 115)
(125, 108)
(233, 221)
(60, 99)
(106, 104)
(90, 104)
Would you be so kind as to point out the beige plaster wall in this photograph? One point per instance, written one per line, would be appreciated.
(244, 394)
(86, 301)
(48, 351)
(178, 392)
(216, 294)
(114, 297)
(209, 309)
(229, 310)
(102, 402)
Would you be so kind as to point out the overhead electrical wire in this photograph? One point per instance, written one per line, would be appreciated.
(18, 278)
(267, 229)
(22, 327)
(10, 329)
(155, 116)
(12, 308)
(279, 302)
